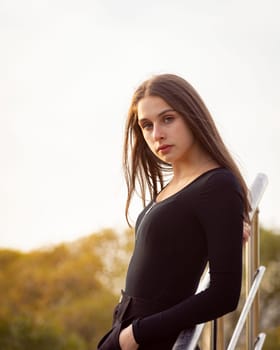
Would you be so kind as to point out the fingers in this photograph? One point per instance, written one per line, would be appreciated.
(246, 231)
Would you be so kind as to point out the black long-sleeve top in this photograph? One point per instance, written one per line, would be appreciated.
(175, 238)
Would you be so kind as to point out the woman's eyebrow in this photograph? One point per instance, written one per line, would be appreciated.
(166, 110)
(159, 114)
(141, 120)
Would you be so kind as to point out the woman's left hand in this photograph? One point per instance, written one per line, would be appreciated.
(126, 339)
(246, 231)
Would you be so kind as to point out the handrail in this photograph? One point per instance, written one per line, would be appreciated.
(256, 192)
(259, 341)
(246, 308)
(252, 261)
(188, 338)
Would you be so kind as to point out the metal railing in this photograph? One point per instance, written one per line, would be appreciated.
(259, 341)
(188, 339)
(246, 308)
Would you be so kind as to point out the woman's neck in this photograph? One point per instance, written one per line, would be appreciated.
(188, 170)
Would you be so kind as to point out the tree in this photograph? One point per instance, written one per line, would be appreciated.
(62, 293)
(270, 288)
(21, 333)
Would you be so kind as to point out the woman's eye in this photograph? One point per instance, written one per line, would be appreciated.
(147, 126)
(168, 119)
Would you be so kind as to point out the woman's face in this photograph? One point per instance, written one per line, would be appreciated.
(165, 130)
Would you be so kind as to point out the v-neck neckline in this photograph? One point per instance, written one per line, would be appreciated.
(155, 201)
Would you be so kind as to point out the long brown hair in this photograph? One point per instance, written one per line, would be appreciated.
(142, 167)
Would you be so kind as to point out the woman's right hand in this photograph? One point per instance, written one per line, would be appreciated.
(126, 339)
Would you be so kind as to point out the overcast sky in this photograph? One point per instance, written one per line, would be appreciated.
(68, 70)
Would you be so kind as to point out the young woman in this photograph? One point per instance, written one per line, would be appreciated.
(198, 203)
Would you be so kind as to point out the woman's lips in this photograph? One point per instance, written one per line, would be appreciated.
(164, 149)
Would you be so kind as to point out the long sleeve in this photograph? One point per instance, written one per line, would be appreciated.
(219, 210)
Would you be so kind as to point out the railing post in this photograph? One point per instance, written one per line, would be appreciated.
(220, 334)
(252, 263)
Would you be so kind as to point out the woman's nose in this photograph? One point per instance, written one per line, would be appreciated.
(157, 133)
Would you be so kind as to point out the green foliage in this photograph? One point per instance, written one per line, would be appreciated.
(270, 244)
(62, 296)
(21, 333)
(272, 341)
(270, 288)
